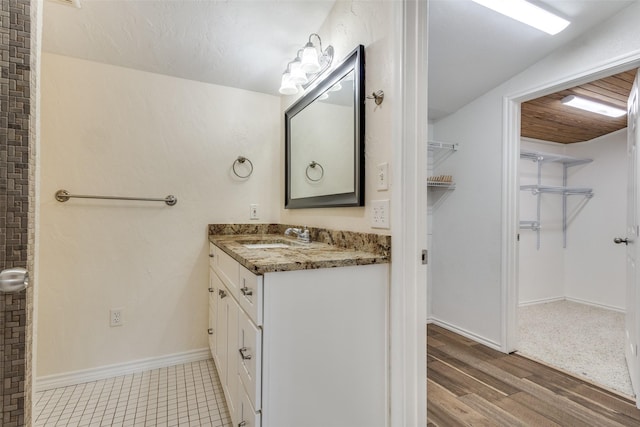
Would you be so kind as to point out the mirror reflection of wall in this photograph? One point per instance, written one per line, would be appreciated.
(324, 132)
(324, 140)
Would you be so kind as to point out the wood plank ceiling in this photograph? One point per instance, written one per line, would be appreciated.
(547, 119)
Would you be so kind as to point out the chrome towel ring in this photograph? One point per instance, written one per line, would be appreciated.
(313, 165)
(240, 160)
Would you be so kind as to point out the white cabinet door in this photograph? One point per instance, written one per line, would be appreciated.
(225, 354)
(233, 381)
(213, 300)
(220, 352)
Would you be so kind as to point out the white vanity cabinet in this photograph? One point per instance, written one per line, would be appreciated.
(301, 348)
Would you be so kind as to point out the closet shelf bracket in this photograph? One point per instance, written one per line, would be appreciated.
(537, 189)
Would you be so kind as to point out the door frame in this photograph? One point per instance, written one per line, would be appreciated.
(510, 177)
(408, 293)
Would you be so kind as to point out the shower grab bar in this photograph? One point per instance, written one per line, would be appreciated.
(64, 195)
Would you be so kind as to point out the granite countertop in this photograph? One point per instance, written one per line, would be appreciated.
(299, 256)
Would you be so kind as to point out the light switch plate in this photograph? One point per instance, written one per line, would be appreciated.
(382, 176)
(253, 211)
(380, 213)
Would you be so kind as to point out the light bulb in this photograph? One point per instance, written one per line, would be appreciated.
(297, 75)
(335, 87)
(287, 87)
(310, 62)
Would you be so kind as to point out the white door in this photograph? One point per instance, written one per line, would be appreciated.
(632, 241)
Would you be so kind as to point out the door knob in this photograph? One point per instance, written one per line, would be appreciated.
(618, 240)
(14, 279)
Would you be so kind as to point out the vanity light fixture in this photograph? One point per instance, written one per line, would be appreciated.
(303, 70)
(593, 106)
(527, 13)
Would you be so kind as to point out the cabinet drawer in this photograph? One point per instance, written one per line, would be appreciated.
(250, 359)
(229, 271)
(250, 295)
(247, 415)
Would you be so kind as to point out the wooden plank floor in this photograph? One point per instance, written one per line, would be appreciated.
(469, 384)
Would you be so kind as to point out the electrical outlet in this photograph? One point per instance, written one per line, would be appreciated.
(115, 317)
(382, 176)
(380, 213)
(253, 211)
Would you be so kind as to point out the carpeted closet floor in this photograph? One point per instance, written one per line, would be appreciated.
(581, 339)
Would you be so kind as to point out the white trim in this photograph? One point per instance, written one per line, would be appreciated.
(93, 374)
(541, 301)
(510, 146)
(510, 226)
(408, 293)
(576, 300)
(596, 304)
(477, 338)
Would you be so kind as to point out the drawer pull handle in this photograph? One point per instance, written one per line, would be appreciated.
(210, 331)
(210, 289)
(246, 291)
(222, 293)
(242, 424)
(244, 356)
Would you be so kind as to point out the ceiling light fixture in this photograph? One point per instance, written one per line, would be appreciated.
(593, 106)
(527, 13)
(303, 70)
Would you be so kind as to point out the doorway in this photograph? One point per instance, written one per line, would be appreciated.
(572, 212)
(572, 202)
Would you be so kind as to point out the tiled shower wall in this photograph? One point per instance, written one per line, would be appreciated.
(16, 223)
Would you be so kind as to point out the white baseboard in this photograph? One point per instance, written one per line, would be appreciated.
(576, 300)
(48, 382)
(541, 301)
(477, 338)
(595, 304)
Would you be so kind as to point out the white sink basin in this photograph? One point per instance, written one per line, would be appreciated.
(268, 243)
(267, 246)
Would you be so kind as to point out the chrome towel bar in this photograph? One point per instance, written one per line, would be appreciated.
(63, 196)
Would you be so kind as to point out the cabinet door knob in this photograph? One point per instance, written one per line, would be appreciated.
(246, 291)
(210, 331)
(210, 289)
(242, 423)
(210, 255)
(244, 356)
(222, 293)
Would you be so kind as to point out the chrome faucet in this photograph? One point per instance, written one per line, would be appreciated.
(302, 236)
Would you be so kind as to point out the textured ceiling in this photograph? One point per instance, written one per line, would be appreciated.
(473, 49)
(546, 118)
(238, 43)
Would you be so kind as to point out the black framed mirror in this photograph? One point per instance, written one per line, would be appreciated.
(324, 140)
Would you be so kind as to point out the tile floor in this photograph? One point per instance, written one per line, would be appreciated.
(181, 395)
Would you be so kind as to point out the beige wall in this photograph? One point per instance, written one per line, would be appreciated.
(115, 131)
(368, 23)
(109, 130)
